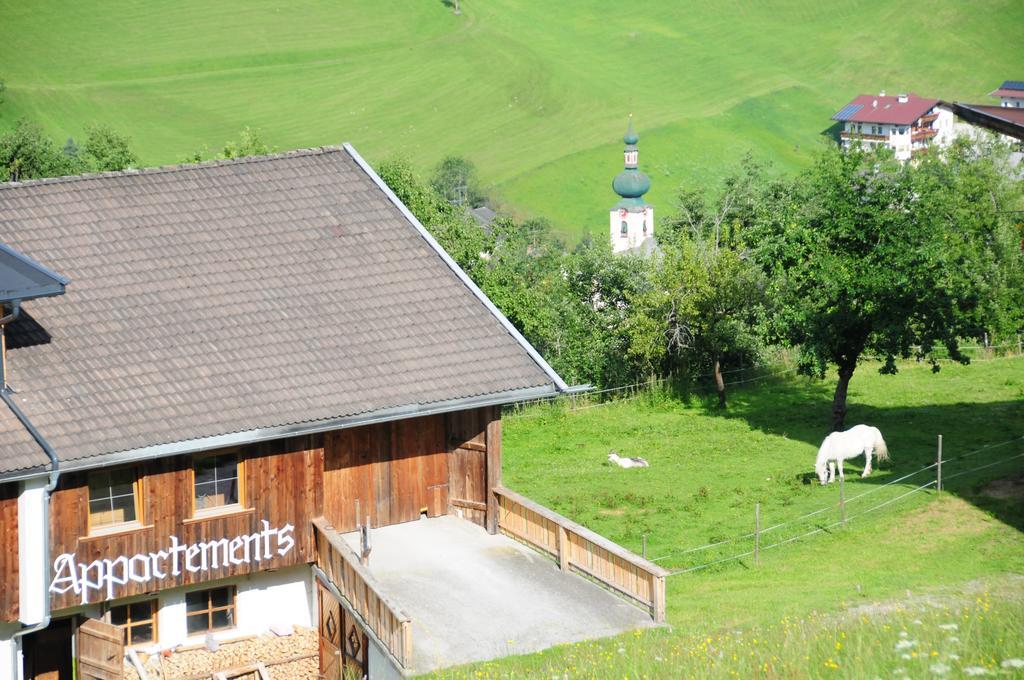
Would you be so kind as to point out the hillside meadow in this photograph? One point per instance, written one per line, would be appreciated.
(903, 557)
(536, 94)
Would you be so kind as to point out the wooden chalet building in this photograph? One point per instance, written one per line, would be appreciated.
(211, 372)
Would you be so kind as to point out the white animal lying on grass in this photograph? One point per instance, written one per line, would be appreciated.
(839, 446)
(615, 459)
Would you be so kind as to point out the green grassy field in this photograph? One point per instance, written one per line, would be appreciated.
(536, 94)
(708, 468)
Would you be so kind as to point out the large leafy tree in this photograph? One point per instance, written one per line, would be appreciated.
(701, 309)
(705, 294)
(867, 256)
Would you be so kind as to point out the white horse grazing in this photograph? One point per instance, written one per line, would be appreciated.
(615, 459)
(839, 446)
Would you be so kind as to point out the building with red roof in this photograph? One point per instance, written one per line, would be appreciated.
(906, 123)
(1010, 93)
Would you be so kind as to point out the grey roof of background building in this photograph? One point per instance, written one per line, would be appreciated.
(22, 278)
(259, 295)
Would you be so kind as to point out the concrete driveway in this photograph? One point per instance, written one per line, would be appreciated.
(473, 596)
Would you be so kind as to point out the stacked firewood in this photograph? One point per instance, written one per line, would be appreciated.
(289, 656)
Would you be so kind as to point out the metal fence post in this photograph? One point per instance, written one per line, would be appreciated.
(938, 467)
(842, 499)
(757, 533)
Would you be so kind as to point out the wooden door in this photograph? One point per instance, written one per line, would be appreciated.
(100, 651)
(355, 655)
(343, 643)
(330, 635)
(467, 464)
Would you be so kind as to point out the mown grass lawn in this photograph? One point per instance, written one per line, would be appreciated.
(709, 467)
(536, 94)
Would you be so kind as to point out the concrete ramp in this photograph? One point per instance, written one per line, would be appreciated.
(473, 596)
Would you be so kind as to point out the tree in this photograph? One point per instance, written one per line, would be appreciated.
(27, 153)
(106, 150)
(869, 256)
(706, 293)
(248, 143)
(453, 228)
(456, 180)
(702, 306)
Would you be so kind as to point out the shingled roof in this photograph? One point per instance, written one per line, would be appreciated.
(238, 300)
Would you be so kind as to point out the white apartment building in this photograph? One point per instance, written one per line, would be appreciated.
(906, 123)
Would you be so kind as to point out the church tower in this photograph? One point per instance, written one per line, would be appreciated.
(632, 218)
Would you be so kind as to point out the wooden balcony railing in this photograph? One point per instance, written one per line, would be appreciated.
(576, 547)
(355, 583)
(863, 136)
(929, 119)
(923, 133)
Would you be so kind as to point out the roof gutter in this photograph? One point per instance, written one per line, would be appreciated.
(293, 430)
(534, 354)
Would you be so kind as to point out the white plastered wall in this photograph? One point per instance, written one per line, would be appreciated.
(263, 599)
(635, 228)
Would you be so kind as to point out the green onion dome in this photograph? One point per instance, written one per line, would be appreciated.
(631, 183)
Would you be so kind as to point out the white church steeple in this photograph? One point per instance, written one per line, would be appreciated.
(632, 218)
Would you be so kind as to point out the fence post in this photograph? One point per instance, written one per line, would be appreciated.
(938, 467)
(563, 548)
(644, 552)
(757, 533)
(842, 499)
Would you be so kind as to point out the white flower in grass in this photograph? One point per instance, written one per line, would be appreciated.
(975, 671)
(904, 644)
(939, 668)
(917, 622)
(903, 633)
(1012, 663)
(954, 657)
(952, 639)
(948, 626)
(900, 671)
(905, 656)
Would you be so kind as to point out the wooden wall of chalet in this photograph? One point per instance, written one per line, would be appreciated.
(283, 481)
(392, 470)
(9, 552)
(441, 464)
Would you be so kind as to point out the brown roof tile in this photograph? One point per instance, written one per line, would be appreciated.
(232, 296)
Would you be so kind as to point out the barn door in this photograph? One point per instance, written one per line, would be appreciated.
(100, 651)
(467, 464)
(330, 635)
(343, 644)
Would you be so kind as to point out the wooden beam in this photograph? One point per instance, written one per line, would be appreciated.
(463, 503)
(493, 467)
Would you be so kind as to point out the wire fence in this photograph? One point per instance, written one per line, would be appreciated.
(823, 528)
(630, 392)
